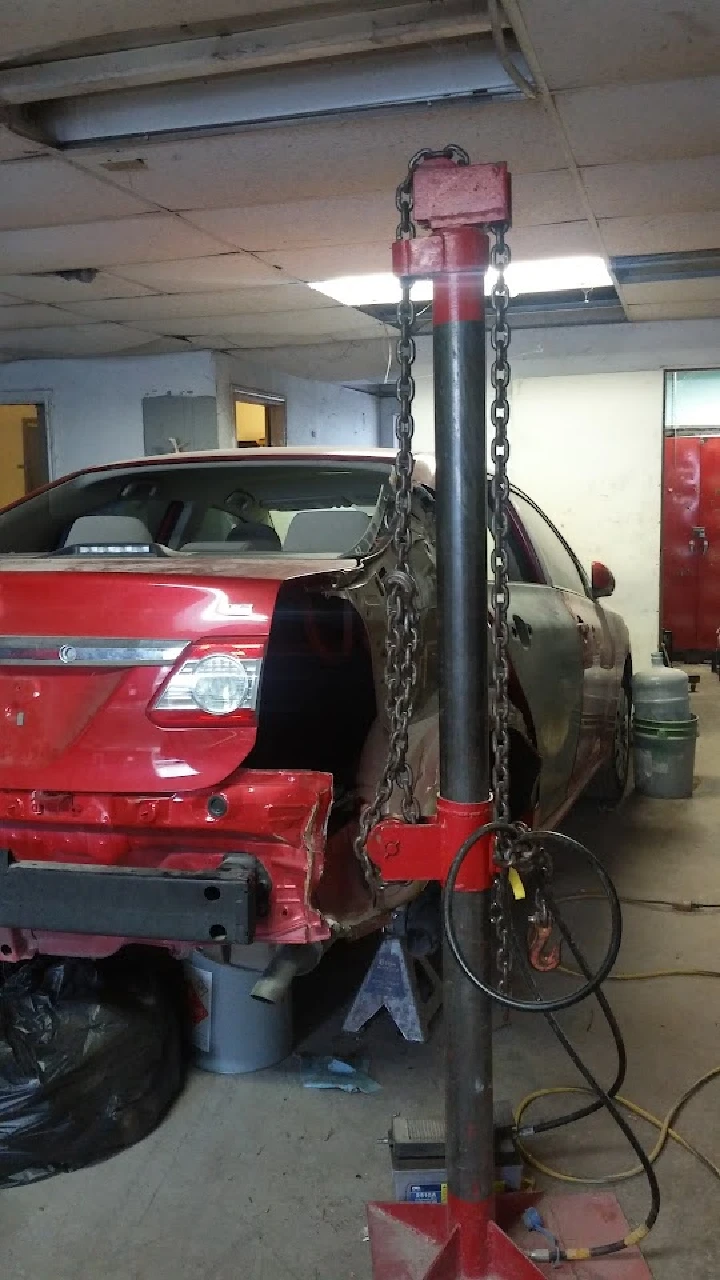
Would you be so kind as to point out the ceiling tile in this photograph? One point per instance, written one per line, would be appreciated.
(219, 271)
(312, 160)
(611, 40)
(334, 260)
(539, 198)
(149, 238)
(359, 259)
(561, 241)
(705, 289)
(301, 224)
(671, 120)
(670, 234)
(673, 310)
(372, 217)
(669, 186)
(12, 145)
(149, 346)
(328, 321)
(52, 288)
(221, 302)
(350, 361)
(33, 315)
(79, 340)
(45, 192)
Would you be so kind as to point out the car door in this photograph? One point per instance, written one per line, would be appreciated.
(546, 659)
(593, 638)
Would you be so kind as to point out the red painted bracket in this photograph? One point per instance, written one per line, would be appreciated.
(448, 196)
(458, 204)
(424, 850)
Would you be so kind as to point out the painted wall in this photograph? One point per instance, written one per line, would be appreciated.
(94, 406)
(588, 448)
(589, 451)
(318, 413)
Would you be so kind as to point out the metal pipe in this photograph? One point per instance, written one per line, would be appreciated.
(461, 490)
(287, 963)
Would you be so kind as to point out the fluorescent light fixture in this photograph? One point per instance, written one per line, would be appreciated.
(542, 275)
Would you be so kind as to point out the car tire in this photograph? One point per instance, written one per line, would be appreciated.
(610, 783)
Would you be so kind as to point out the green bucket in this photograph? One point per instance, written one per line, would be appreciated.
(664, 757)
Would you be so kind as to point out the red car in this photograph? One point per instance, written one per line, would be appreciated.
(191, 690)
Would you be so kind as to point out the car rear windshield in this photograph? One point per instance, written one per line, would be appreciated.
(317, 508)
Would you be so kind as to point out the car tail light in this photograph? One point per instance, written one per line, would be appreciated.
(214, 682)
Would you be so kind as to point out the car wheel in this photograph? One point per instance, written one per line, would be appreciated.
(610, 784)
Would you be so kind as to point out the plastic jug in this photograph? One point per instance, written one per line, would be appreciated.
(661, 694)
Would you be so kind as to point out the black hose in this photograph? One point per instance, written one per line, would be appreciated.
(605, 1098)
(546, 1126)
(596, 980)
(606, 1101)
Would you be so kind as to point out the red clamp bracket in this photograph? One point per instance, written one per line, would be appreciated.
(458, 204)
(425, 850)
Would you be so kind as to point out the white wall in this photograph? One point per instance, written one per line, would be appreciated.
(94, 407)
(318, 413)
(588, 449)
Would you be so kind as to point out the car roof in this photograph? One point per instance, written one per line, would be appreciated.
(424, 462)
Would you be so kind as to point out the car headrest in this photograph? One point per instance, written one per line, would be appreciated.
(255, 535)
(108, 531)
(333, 530)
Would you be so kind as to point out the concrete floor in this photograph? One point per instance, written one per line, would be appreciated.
(256, 1178)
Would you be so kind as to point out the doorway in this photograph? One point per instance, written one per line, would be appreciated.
(690, 613)
(259, 420)
(23, 451)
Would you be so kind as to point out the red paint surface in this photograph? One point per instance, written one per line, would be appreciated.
(459, 1242)
(691, 563)
(278, 816)
(425, 850)
(708, 618)
(456, 261)
(447, 195)
(81, 727)
(680, 560)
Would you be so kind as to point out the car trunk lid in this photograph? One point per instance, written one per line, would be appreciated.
(85, 647)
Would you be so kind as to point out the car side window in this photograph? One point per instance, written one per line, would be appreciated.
(559, 564)
(514, 572)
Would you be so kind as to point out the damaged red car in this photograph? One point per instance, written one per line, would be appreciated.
(191, 668)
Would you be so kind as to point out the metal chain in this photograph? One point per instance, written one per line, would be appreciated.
(402, 637)
(500, 634)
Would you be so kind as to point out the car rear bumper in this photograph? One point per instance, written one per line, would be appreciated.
(84, 874)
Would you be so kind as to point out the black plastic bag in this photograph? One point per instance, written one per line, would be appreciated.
(92, 1055)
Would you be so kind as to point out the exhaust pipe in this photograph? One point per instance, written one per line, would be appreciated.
(288, 963)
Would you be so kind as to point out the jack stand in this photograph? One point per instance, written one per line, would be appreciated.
(466, 1238)
(391, 983)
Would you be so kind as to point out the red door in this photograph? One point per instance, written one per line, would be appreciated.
(691, 541)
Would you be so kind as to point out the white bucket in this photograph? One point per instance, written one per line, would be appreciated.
(232, 1032)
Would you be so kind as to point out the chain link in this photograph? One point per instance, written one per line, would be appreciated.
(402, 637)
(500, 634)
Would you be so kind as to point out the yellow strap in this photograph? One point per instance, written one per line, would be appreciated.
(516, 884)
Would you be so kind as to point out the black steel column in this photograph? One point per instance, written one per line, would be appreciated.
(461, 489)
